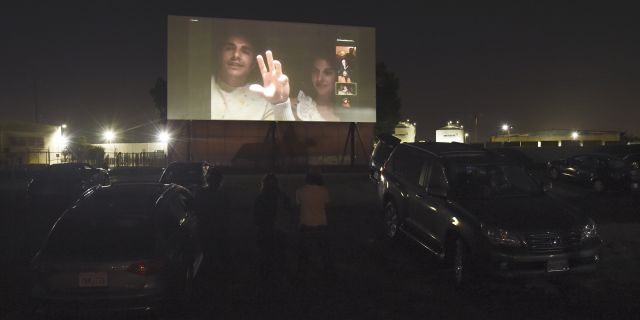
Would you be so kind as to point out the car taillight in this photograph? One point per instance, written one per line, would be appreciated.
(146, 267)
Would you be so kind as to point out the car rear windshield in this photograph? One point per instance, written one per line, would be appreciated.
(474, 178)
(118, 236)
(111, 224)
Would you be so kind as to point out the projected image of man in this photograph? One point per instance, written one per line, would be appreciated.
(232, 95)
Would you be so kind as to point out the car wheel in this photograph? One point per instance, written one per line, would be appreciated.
(553, 173)
(598, 186)
(391, 220)
(457, 257)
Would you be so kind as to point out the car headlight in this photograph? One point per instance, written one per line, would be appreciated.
(589, 231)
(501, 237)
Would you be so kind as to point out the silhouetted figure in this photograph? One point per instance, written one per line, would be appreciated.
(213, 221)
(312, 199)
(272, 212)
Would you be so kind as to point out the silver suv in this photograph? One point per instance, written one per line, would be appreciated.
(478, 211)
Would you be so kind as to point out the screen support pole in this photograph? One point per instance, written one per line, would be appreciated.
(351, 141)
(271, 140)
(189, 141)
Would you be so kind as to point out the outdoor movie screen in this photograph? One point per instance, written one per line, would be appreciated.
(228, 69)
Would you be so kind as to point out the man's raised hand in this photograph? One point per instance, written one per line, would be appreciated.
(275, 86)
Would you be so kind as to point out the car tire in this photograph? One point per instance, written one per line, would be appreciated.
(598, 186)
(457, 261)
(391, 221)
(553, 173)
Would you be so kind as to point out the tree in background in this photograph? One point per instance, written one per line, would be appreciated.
(387, 100)
(159, 94)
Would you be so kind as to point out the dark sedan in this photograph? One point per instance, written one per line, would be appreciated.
(125, 246)
(60, 184)
(191, 175)
(600, 171)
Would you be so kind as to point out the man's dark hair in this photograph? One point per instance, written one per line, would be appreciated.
(247, 31)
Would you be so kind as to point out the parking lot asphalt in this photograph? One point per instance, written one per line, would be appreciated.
(373, 279)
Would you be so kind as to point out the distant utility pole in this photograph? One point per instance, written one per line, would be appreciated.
(475, 134)
(35, 99)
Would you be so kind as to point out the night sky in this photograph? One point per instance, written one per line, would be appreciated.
(536, 67)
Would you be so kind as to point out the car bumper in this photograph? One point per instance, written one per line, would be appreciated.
(528, 264)
(139, 300)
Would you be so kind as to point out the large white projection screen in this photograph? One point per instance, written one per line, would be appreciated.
(318, 72)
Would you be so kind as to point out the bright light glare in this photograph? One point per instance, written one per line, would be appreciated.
(62, 141)
(109, 135)
(164, 137)
(505, 127)
(575, 135)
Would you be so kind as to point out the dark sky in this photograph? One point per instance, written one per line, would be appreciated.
(534, 66)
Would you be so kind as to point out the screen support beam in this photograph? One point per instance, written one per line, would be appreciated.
(351, 141)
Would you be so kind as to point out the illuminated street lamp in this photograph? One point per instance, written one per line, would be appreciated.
(507, 128)
(466, 136)
(164, 137)
(575, 135)
(109, 136)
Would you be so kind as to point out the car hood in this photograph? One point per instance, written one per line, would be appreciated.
(540, 212)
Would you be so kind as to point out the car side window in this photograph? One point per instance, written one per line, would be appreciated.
(409, 166)
(437, 178)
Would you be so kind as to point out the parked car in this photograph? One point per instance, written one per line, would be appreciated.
(135, 174)
(381, 151)
(127, 246)
(60, 184)
(517, 156)
(477, 211)
(600, 171)
(191, 175)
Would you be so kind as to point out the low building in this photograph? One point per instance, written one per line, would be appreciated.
(23, 143)
(559, 137)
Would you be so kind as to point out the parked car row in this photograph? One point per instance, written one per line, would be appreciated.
(478, 210)
(601, 171)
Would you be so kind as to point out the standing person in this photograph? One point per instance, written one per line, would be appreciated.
(272, 210)
(321, 104)
(232, 98)
(312, 199)
(213, 221)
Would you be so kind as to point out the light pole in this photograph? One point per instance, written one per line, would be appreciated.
(507, 128)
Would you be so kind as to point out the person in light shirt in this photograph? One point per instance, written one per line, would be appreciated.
(233, 97)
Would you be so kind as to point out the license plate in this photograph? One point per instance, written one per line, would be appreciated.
(92, 279)
(557, 265)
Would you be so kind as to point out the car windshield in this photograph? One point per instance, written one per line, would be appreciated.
(477, 179)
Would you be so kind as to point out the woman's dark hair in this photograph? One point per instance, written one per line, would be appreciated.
(314, 178)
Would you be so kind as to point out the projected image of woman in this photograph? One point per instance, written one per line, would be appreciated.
(320, 105)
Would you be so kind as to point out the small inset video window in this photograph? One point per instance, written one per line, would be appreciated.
(346, 60)
(346, 89)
